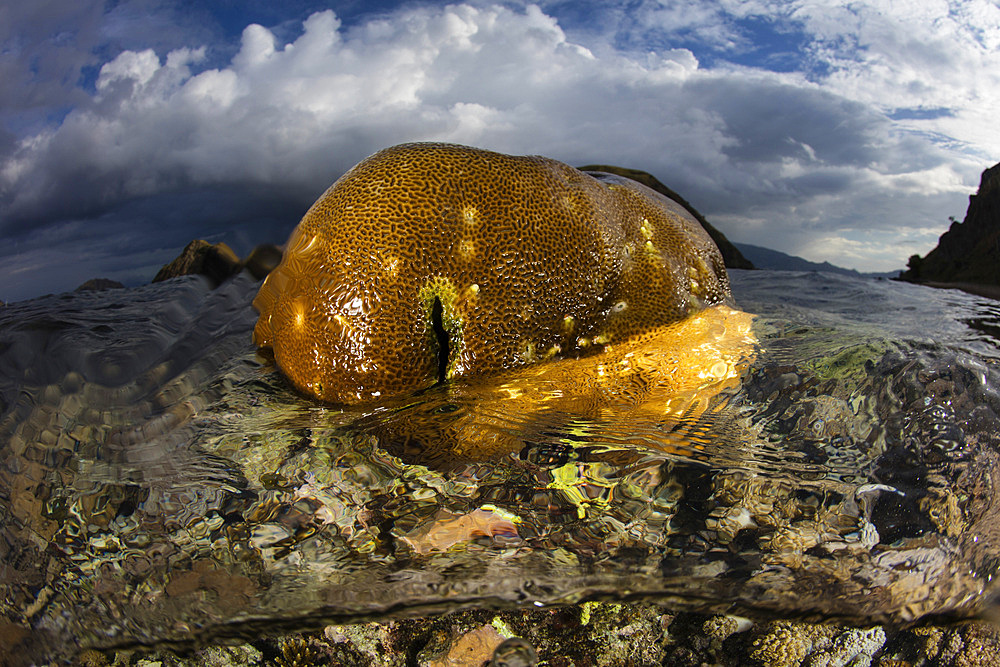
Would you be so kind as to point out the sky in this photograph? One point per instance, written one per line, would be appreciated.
(846, 132)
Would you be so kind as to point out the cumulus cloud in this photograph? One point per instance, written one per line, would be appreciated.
(298, 114)
(881, 130)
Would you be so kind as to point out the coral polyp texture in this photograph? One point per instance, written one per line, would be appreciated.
(427, 262)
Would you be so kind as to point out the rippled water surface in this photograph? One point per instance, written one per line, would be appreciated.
(160, 482)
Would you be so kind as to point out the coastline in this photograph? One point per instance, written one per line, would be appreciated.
(977, 289)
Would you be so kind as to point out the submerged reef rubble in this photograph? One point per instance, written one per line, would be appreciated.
(594, 634)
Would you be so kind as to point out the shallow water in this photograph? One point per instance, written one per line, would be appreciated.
(162, 484)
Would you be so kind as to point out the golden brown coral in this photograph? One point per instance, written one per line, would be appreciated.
(669, 377)
(433, 261)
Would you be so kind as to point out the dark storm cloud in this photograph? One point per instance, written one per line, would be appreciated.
(45, 46)
(131, 241)
(773, 121)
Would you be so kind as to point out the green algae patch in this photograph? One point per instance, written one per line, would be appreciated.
(849, 364)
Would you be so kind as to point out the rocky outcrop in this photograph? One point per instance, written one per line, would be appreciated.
(218, 262)
(969, 252)
(733, 258)
(99, 285)
(262, 260)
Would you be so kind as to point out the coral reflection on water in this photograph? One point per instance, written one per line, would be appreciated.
(665, 379)
(163, 484)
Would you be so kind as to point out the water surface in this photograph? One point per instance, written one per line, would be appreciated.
(161, 483)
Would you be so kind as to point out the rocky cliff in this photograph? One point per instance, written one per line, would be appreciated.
(733, 258)
(969, 252)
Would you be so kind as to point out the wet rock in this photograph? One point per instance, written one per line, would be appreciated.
(262, 260)
(216, 262)
(98, 285)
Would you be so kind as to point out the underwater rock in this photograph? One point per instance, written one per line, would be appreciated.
(428, 262)
(601, 635)
(514, 652)
(471, 648)
(216, 262)
(449, 529)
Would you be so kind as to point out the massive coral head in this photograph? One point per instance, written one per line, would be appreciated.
(431, 261)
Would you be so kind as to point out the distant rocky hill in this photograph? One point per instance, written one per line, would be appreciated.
(733, 258)
(969, 252)
(765, 258)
